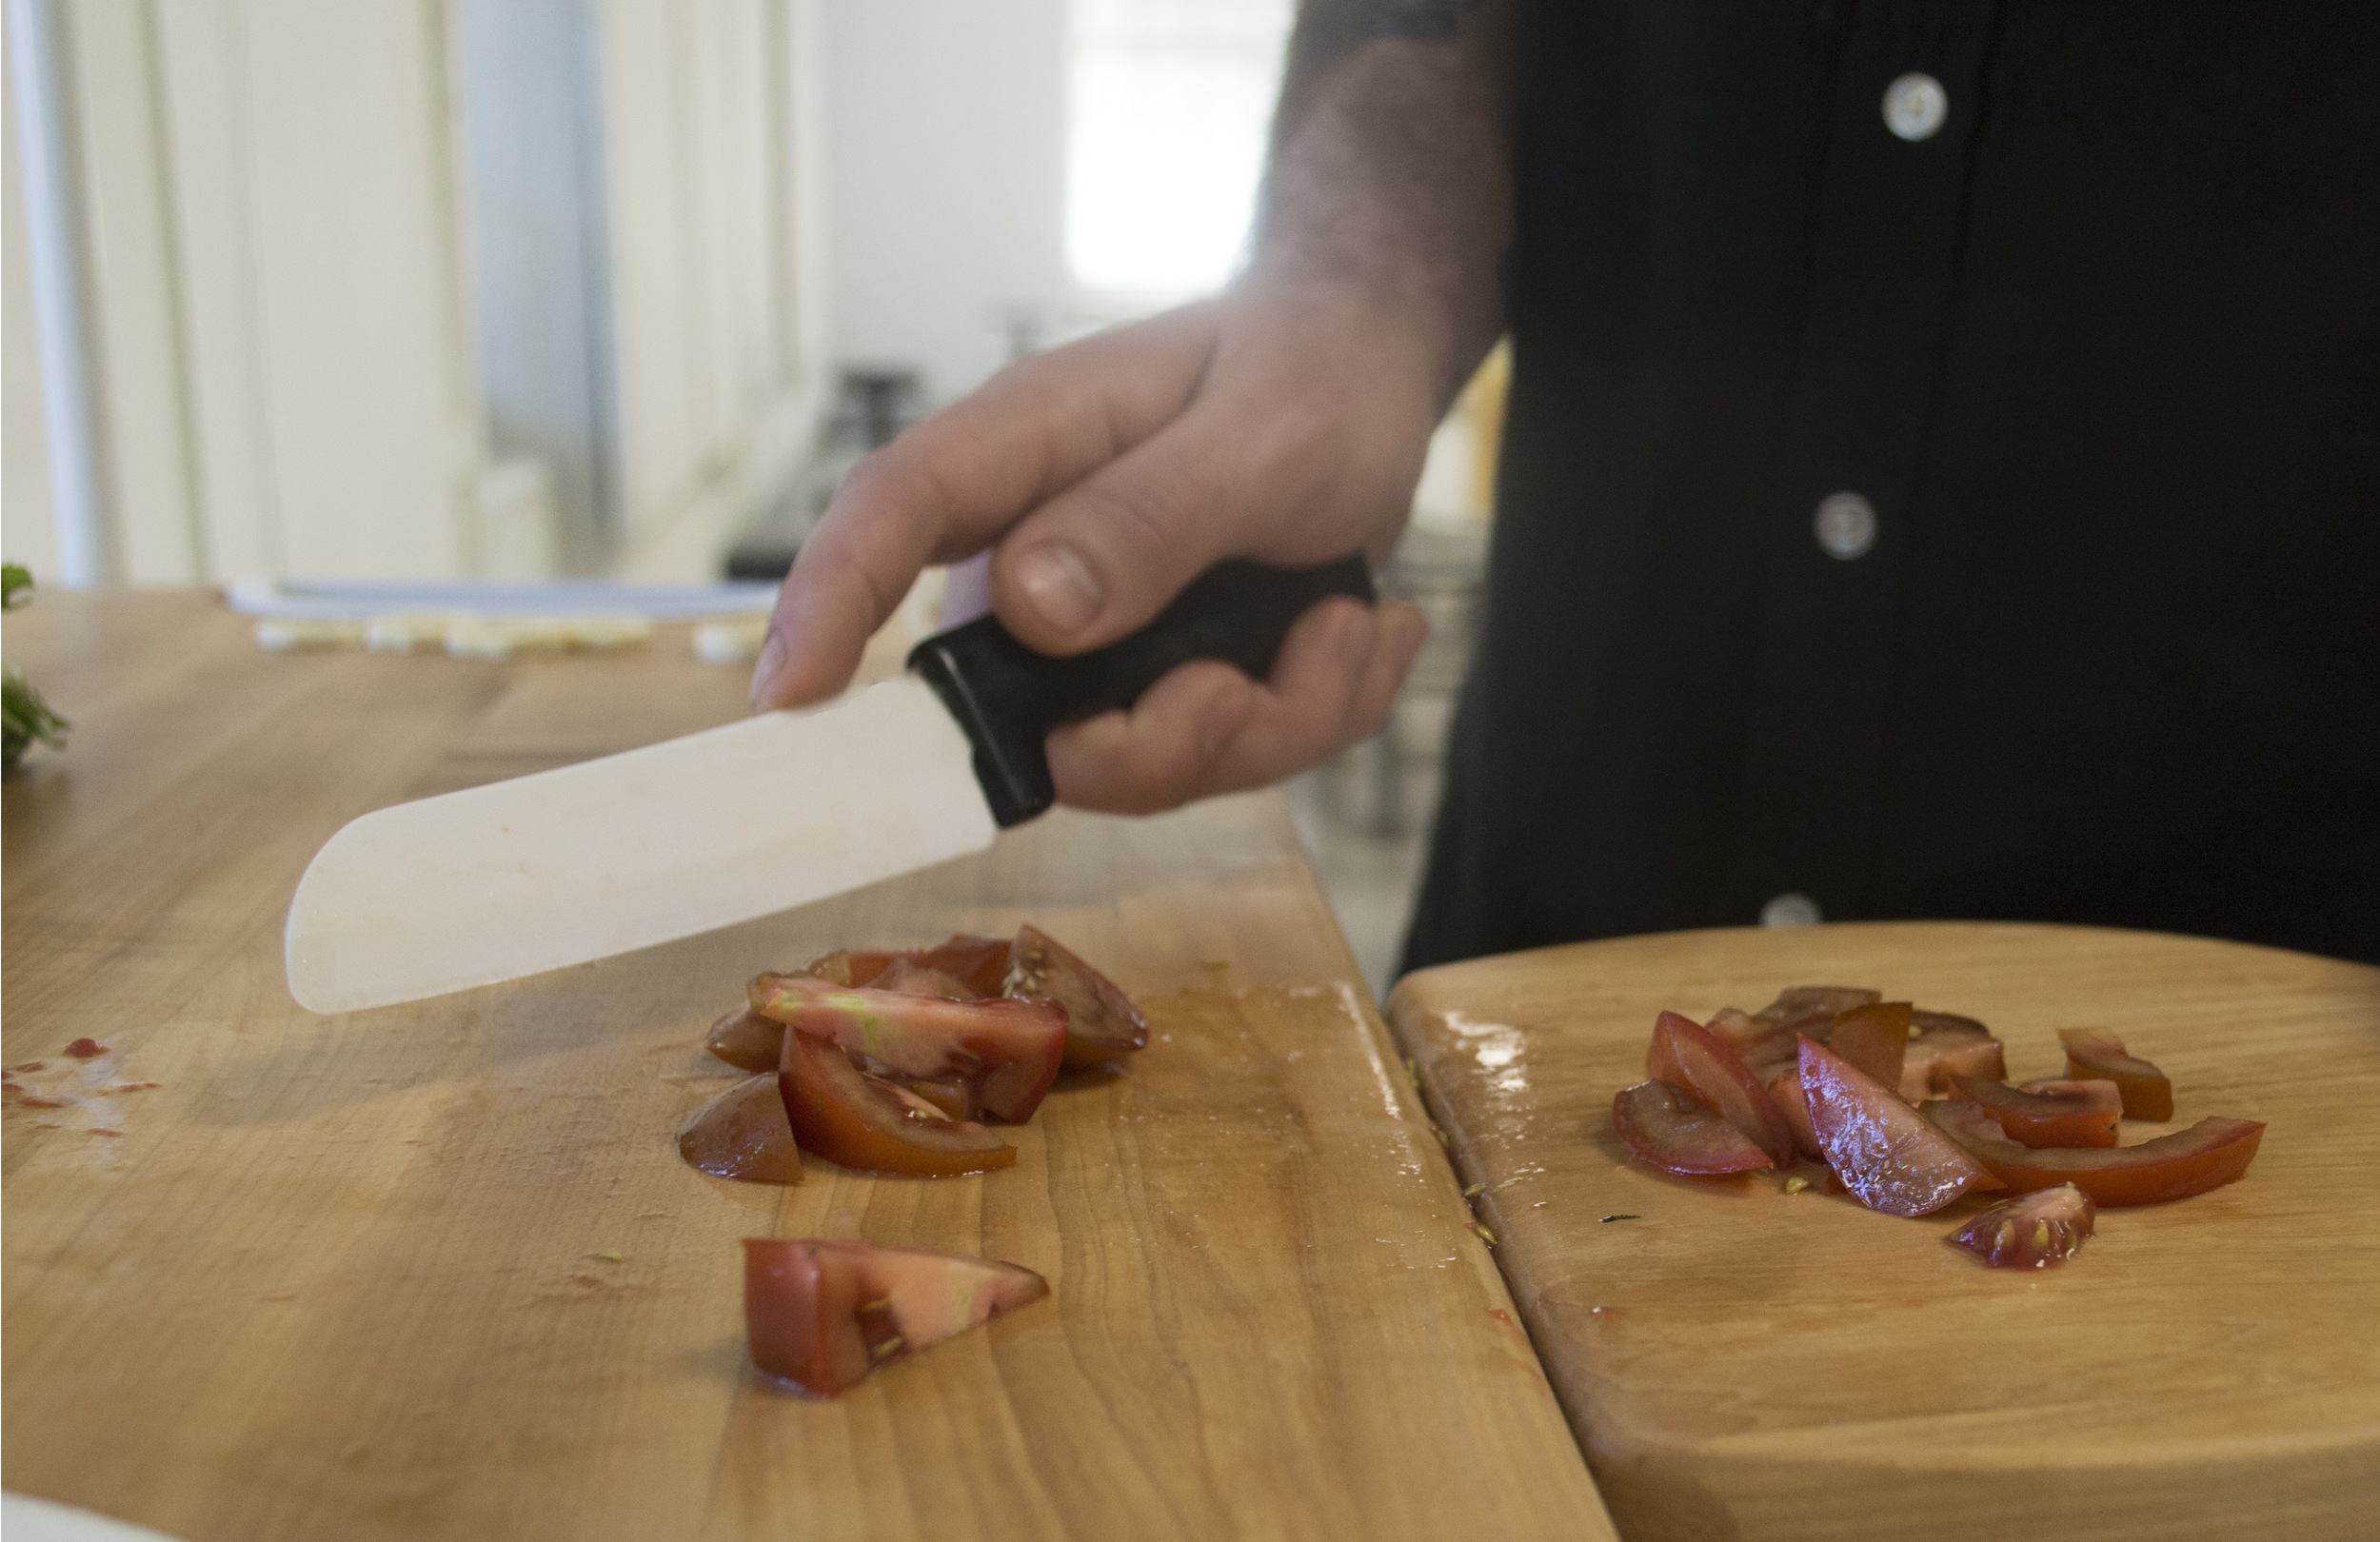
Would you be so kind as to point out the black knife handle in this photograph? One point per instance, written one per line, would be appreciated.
(1008, 697)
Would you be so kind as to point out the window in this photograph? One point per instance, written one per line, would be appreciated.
(1168, 105)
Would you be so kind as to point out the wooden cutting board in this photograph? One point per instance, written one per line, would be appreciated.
(437, 1271)
(1744, 1363)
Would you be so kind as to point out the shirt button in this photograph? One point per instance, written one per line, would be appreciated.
(1791, 910)
(1845, 526)
(1915, 107)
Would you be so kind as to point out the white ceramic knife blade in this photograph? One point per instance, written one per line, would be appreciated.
(516, 877)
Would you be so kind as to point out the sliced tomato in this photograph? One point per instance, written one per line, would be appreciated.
(2207, 1156)
(2048, 1113)
(1942, 1045)
(1799, 1005)
(747, 1040)
(844, 1114)
(1767, 1047)
(1886, 1155)
(850, 966)
(2097, 1053)
(823, 1314)
(1874, 1037)
(979, 965)
(1665, 1127)
(742, 1134)
(2032, 1230)
(1101, 1022)
(910, 978)
(1686, 1053)
(1785, 1092)
(1007, 1049)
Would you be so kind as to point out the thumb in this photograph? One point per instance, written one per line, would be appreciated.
(1101, 560)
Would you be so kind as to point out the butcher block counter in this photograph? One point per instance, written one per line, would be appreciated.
(437, 1270)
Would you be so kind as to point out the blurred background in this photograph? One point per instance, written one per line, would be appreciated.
(518, 290)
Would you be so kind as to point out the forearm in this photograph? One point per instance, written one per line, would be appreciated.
(1391, 174)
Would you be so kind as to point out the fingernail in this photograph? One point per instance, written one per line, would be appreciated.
(1060, 584)
(764, 670)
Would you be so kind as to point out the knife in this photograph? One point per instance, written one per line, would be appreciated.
(516, 877)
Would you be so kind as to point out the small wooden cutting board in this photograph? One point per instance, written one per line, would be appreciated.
(1742, 1362)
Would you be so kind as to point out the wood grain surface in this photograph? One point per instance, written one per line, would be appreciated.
(437, 1270)
(1742, 1362)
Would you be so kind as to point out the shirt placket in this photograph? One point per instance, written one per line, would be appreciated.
(1846, 501)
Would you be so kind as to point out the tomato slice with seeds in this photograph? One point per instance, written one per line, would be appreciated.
(844, 1114)
(1101, 1022)
(823, 1314)
(742, 1134)
(2096, 1053)
(1886, 1152)
(1685, 1054)
(2032, 1230)
(1006, 1049)
(2048, 1113)
(1663, 1126)
(2207, 1156)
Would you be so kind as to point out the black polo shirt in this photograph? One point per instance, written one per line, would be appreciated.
(2093, 334)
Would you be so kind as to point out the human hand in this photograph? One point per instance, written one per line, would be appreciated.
(1284, 426)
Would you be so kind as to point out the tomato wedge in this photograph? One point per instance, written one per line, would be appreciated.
(1785, 1092)
(2096, 1053)
(1006, 1049)
(909, 977)
(1685, 1054)
(2032, 1230)
(747, 1040)
(1799, 1005)
(1664, 1127)
(742, 1134)
(2048, 1113)
(846, 1116)
(1874, 1038)
(823, 1314)
(1101, 1022)
(978, 964)
(2207, 1156)
(1942, 1045)
(1886, 1155)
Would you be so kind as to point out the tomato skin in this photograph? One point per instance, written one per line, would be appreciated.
(1874, 1038)
(2207, 1156)
(843, 1114)
(2095, 1054)
(1685, 1054)
(823, 1314)
(2032, 1230)
(1888, 1156)
(747, 1040)
(1785, 1092)
(742, 1134)
(2078, 1114)
(1101, 1021)
(803, 1320)
(1664, 1127)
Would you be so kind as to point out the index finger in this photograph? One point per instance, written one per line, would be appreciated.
(949, 487)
